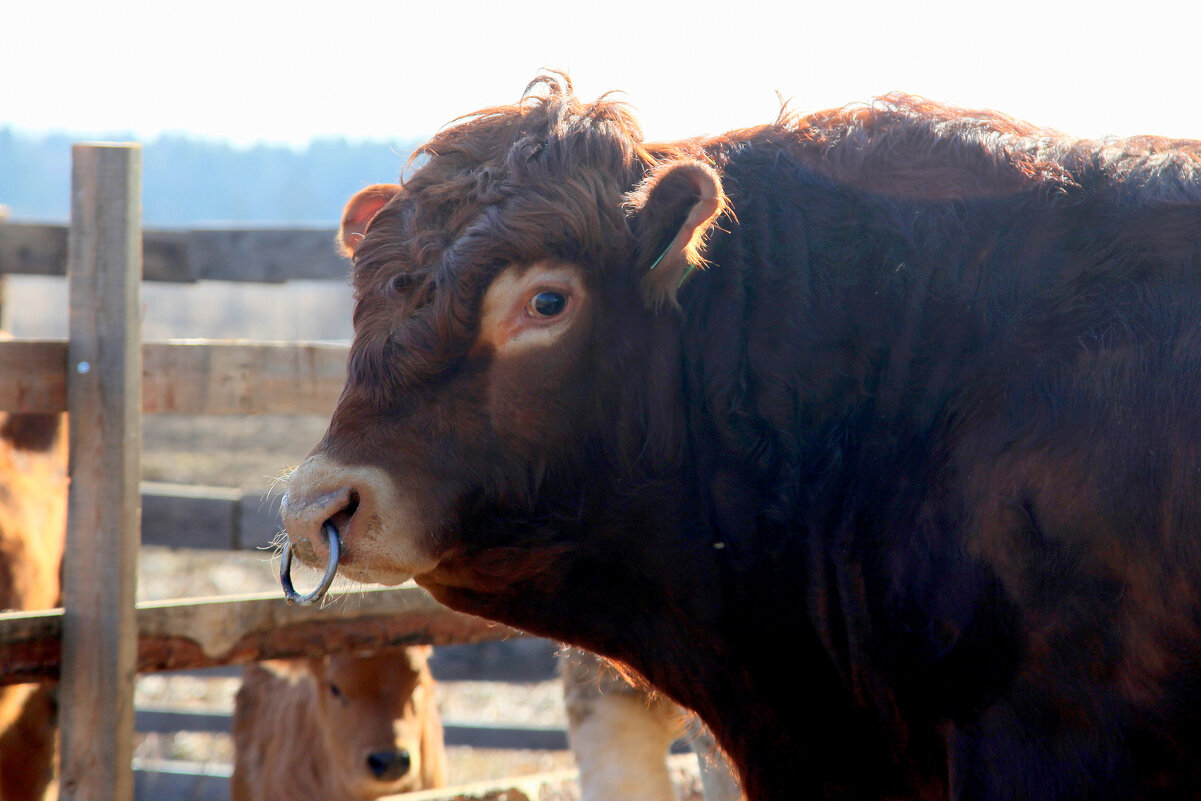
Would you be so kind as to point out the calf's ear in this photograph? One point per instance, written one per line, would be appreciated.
(671, 212)
(418, 656)
(359, 213)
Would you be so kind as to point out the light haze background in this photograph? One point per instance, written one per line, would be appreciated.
(262, 71)
(279, 72)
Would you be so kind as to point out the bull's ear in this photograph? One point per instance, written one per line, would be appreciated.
(672, 211)
(359, 213)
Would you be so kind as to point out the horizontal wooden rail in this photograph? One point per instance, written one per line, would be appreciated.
(207, 632)
(210, 782)
(211, 518)
(164, 720)
(264, 255)
(161, 779)
(188, 377)
(550, 784)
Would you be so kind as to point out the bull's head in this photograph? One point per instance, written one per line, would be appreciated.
(513, 333)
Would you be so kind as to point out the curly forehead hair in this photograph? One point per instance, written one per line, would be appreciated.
(545, 177)
(547, 173)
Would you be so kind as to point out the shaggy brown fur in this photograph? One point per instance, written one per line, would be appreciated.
(339, 728)
(33, 520)
(928, 418)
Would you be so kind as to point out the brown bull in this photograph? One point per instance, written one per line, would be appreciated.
(337, 728)
(873, 435)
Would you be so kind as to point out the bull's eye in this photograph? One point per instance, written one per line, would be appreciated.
(402, 283)
(547, 304)
(335, 690)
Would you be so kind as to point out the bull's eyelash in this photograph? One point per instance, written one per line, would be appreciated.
(403, 283)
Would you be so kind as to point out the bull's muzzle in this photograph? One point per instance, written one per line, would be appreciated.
(333, 541)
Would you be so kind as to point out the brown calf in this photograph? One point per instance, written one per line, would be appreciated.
(33, 518)
(337, 728)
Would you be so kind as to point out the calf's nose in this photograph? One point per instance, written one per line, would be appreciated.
(390, 765)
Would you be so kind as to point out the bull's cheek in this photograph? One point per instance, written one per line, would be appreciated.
(388, 554)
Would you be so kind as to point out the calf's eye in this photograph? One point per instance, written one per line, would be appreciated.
(547, 304)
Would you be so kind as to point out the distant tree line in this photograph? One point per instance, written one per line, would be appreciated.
(191, 182)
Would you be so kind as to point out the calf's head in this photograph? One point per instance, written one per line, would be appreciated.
(513, 333)
(379, 721)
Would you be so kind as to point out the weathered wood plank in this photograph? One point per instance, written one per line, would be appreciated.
(33, 249)
(242, 378)
(33, 375)
(210, 782)
(192, 377)
(219, 518)
(206, 632)
(551, 784)
(165, 720)
(99, 650)
(165, 257)
(265, 254)
(161, 780)
(190, 516)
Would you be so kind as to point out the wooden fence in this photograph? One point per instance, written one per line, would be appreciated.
(105, 378)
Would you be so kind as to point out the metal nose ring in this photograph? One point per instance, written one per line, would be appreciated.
(333, 540)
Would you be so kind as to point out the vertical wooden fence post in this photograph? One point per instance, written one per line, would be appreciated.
(104, 527)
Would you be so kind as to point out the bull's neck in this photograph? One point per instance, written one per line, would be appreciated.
(652, 591)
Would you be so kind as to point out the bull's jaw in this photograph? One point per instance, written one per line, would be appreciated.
(383, 539)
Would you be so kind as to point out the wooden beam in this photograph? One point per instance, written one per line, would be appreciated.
(162, 779)
(264, 254)
(165, 720)
(32, 249)
(242, 378)
(99, 649)
(210, 782)
(33, 376)
(190, 516)
(189, 377)
(207, 632)
(213, 518)
(552, 784)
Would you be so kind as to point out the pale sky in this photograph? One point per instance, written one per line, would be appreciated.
(288, 72)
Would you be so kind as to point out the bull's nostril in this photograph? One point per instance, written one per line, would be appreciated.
(389, 765)
(343, 515)
(340, 519)
(305, 508)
